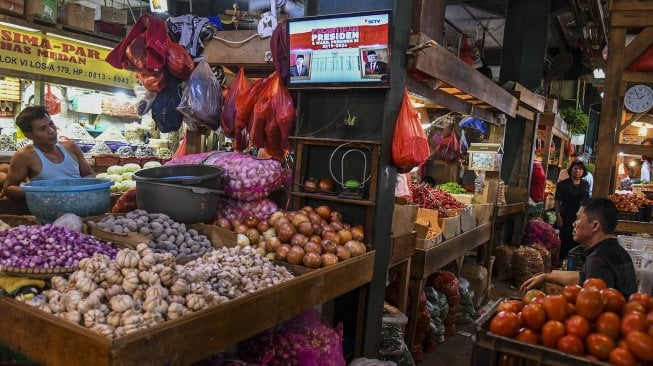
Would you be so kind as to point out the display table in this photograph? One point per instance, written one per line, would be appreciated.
(635, 226)
(428, 261)
(509, 209)
(54, 341)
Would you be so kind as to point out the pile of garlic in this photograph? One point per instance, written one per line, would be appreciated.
(141, 288)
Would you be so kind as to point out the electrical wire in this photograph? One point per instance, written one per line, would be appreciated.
(236, 42)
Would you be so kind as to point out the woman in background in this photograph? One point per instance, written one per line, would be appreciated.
(570, 193)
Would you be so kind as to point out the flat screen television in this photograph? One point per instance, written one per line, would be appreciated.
(340, 51)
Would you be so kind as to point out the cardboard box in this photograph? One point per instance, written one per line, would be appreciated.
(111, 15)
(78, 16)
(46, 9)
(450, 226)
(483, 212)
(403, 218)
(467, 217)
(427, 219)
(14, 6)
(464, 198)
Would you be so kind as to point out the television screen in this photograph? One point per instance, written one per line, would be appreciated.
(340, 51)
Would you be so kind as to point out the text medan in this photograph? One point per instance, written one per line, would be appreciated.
(23, 43)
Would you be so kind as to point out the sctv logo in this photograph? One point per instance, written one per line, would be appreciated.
(373, 21)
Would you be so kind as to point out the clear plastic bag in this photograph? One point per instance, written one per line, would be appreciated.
(70, 221)
(202, 97)
(144, 99)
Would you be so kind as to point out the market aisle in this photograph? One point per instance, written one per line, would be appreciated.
(457, 350)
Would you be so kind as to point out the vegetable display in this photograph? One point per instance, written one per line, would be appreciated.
(453, 188)
(121, 175)
(629, 202)
(592, 321)
(140, 288)
(237, 210)
(48, 246)
(433, 198)
(168, 236)
(540, 232)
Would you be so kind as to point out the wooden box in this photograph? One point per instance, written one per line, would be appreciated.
(483, 212)
(110, 28)
(403, 218)
(450, 226)
(181, 341)
(466, 198)
(78, 16)
(403, 243)
(108, 14)
(14, 6)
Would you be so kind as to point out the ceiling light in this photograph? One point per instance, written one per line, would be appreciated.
(599, 74)
(19, 27)
(425, 126)
(601, 94)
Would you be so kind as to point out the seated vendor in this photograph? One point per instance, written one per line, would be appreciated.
(46, 158)
(604, 257)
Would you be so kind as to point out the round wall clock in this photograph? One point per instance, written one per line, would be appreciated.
(638, 98)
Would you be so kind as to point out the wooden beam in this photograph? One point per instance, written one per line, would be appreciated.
(448, 101)
(638, 17)
(428, 18)
(548, 119)
(525, 113)
(547, 147)
(439, 63)
(532, 100)
(610, 112)
(632, 149)
(251, 52)
(635, 227)
(640, 44)
(637, 77)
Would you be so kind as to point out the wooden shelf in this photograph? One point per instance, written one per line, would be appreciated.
(509, 209)
(635, 226)
(334, 198)
(428, 261)
(182, 341)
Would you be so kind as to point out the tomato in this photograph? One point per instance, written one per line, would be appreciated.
(528, 336)
(530, 295)
(609, 324)
(551, 332)
(596, 283)
(641, 345)
(533, 316)
(592, 358)
(571, 309)
(622, 343)
(506, 324)
(643, 299)
(571, 344)
(555, 307)
(633, 322)
(589, 303)
(622, 357)
(649, 318)
(570, 292)
(613, 299)
(538, 301)
(599, 345)
(578, 326)
(633, 306)
(513, 306)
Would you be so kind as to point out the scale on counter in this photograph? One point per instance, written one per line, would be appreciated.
(352, 188)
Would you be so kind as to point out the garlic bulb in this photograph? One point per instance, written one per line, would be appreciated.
(148, 277)
(180, 287)
(132, 320)
(176, 299)
(85, 285)
(104, 329)
(129, 284)
(167, 276)
(175, 310)
(155, 305)
(93, 317)
(59, 283)
(71, 299)
(156, 291)
(121, 303)
(73, 316)
(113, 291)
(146, 262)
(143, 249)
(113, 276)
(57, 304)
(195, 302)
(155, 318)
(127, 258)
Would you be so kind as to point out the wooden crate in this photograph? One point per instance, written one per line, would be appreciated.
(53, 341)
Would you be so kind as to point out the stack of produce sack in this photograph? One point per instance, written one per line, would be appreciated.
(248, 181)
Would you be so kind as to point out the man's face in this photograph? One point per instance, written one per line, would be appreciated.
(44, 132)
(371, 58)
(300, 61)
(584, 228)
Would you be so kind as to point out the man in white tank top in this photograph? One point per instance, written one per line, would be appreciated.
(46, 158)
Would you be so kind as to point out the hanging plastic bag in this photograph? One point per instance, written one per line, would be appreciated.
(178, 61)
(474, 123)
(202, 97)
(144, 99)
(52, 102)
(154, 83)
(164, 108)
(409, 145)
(463, 143)
(449, 147)
(181, 150)
(228, 118)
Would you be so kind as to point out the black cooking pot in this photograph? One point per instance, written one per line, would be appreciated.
(187, 175)
(187, 204)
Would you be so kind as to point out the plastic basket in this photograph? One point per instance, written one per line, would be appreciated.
(47, 199)
(106, 160)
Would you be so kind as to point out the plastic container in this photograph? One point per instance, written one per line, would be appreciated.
(187, 175)
(187, 204)
(48, 199)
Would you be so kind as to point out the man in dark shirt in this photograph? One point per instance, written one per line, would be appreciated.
(604, 257)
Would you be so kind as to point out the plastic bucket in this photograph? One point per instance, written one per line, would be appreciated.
(187, 204)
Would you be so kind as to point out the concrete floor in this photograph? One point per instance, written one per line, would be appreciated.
(457, 350)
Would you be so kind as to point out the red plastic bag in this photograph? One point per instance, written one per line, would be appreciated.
(538, 182)
(52, 102)
(154, 83)
(644, 62)
(178, 61)
(259, 117)
(228, 118)
(181, 150)
(409, 145)
(449, 148)
(126, 202)
(283, 108)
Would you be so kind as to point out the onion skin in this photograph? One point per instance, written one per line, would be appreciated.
(272, 244)
(224, 223)
(299, 240)
(331, 235)
(253, 235)
(281, 254)
(312, 260)
(310, 185)
(325, 185)
(273, 218)
(285, 233)
(250, 221)
(323, 211)
(262, 226)
(241, 229)
(305, 228)
(307, 209)
(357, 233)
(356, 248)
(342, 253)
(313, 247)
(328, 246)
(345, 235)
(328, 259)
(295, 255)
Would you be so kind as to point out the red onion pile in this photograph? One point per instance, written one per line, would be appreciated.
(48, 246)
